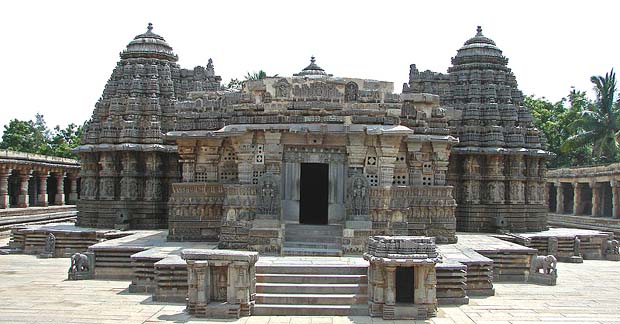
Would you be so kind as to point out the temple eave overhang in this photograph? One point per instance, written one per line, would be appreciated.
(501, 150)
(240, 129)
(125, 147)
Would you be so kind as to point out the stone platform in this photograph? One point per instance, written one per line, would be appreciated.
(591, 243)
(604, 224)
(15, 217)
(70, 239)
(288, 285)
(36, 291)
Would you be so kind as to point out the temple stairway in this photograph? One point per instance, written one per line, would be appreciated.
(312, 240)
(312, 286)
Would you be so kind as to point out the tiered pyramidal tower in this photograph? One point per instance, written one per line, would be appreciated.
(498, 167)
(126, 167)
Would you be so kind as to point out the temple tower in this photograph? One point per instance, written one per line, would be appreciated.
(127, 168)
(498, 167)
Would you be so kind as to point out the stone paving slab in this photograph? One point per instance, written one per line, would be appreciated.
(564, 232)
(36, 291)
(489, 244)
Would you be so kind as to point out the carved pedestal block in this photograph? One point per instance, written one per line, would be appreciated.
(222, 283)
(401, 277)
(543, 270)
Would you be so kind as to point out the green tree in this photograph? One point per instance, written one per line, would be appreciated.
(35, 137)
(256, 75)
(598, 123)
(65, 140)
(25, 136)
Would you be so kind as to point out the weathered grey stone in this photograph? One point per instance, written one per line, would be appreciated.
(388, 255)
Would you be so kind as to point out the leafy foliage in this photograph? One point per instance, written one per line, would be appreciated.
(35, 137)
(256, 75)
(578, 130)
(598, 123)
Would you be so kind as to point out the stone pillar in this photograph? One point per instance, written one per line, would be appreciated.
(273, 152)
(390, 293)
(615, 190)
(23, 198)
(559, 200)
(546, 195)
(577, 205)
(60, 188)
(387, 159)
(4, 187)
(596, 199)
(73, 194)
(42, 199)
(107, 176)
(129, 181)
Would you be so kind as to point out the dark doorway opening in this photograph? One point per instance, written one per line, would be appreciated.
(313, 193)
(404, 285)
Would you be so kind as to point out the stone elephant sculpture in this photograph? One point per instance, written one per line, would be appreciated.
(547, 263)
(79, 263)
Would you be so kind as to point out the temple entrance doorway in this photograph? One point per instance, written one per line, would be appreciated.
(404, 285)
(313, 203)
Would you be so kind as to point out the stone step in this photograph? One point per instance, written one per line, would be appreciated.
(306, 310)
(312, 288)
(314, 230)
(300, 251)
(311, 278)
(311, 299)
(313, 245)
(310, 269)
(322, 238)
(313, 227)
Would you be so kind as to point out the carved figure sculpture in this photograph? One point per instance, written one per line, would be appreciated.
(358, 195)
(268, 194)
(547, 263)
(577, 247)
(350, 92)
(50, 243)
(612, 247)
(552, 245)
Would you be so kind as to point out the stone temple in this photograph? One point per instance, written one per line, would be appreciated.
(260, 168)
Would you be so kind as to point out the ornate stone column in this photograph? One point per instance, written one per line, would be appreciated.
(390, 293)
(546, 195)
(73, 194)
(615, 190)
(4, 187)
(129, 181)
(273, 152)
(596, 199)
(107, 177)
(387, 159)
(154, 190)
(187, 158)
(60, 188)
(245, 158)
(42, 199)
(559, 198)
(22, 199)
(577, 205)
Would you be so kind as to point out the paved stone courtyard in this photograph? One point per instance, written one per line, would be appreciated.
(36, 291)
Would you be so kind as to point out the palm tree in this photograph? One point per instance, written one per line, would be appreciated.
(256, 75)
(598, 123)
